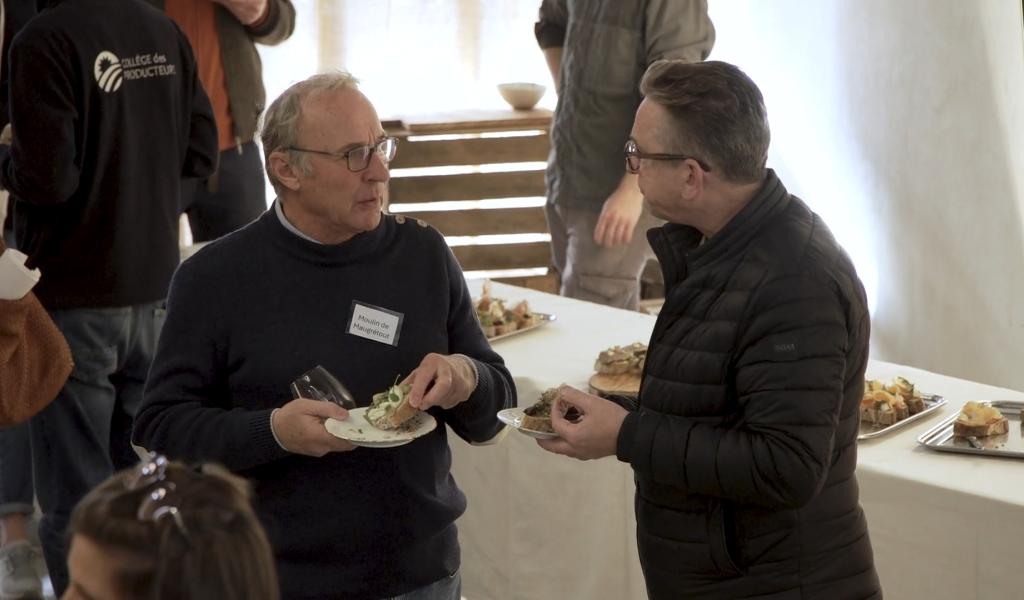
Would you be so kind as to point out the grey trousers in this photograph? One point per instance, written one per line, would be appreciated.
(595, 273)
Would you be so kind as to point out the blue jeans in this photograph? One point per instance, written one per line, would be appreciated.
(449, 588)
(15, 471)
(81, 438)
(15, 450)
(238, 196)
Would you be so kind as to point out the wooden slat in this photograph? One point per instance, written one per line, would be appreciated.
(470, 151)
(485, 221)
(469, 186)
(478, 120)
(544, 283)
(503, 256)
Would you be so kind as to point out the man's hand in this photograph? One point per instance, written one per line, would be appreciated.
(246, 11)
(6, 136)
(620, 214)
(449, 379)
(593, 435)
(299, 426)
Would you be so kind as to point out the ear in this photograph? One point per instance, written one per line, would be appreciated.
(691, 184)
(283, 170)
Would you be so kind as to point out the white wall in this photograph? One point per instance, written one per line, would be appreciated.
(902, 124)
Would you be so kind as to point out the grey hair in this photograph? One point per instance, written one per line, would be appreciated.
(280, 126)
(717, 110)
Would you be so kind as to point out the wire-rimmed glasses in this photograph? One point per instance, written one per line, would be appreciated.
(159, 499)
(358, 159)
(633, 156)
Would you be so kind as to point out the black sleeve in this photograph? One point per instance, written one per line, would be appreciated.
(39, 166)
(203, 146)
(185, 405)
(475, 419)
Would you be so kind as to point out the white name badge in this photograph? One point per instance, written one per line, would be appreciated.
(375, 323)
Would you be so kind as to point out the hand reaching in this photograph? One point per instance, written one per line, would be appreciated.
(451, 377)
(594, 434)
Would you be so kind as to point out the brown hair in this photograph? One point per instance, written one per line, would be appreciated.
(717, 110)
(219, 550)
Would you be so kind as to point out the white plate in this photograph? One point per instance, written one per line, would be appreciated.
(513, 417)
(358, 430)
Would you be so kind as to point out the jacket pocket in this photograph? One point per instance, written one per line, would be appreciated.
(722, 538)
(684, 541)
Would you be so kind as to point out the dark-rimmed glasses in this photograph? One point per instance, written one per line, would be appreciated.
(159, 500)
(358, 159)
(633, 156)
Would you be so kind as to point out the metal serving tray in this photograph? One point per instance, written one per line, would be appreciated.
(1010, 444)
(872, 430)
(545, 318)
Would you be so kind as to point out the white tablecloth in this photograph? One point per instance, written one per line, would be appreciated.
(541, 526)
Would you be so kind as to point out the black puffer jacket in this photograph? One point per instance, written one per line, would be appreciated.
(744, 447)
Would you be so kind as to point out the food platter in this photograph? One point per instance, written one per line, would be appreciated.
(872, 430)
(542, 320)
(1009, 445)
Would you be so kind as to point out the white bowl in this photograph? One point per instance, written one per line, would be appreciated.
(522, 96)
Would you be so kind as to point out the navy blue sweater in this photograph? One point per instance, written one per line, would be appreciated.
(255, 309)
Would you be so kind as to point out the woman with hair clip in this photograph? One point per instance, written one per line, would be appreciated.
(164, 531)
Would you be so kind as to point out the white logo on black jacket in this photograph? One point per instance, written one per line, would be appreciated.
(111, 71)
(108, 71)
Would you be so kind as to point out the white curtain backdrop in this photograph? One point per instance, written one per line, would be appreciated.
(899, 122)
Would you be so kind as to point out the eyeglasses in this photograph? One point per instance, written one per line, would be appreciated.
(159, 499)
(358, 159)
(633, 156)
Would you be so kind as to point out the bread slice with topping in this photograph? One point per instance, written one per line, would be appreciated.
(391, 409)
(620, 360)
(980, 420)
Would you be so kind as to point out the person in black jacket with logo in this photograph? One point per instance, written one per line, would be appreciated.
(743, 443)
(107, 116)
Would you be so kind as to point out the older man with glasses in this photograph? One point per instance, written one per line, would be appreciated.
(301, 287)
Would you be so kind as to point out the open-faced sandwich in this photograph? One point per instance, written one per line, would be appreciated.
(497, 319)
(980, 420)
(538, 416)
(882, 407)
(391, 409)
(618, 370)
(886, 404)
(620, 360)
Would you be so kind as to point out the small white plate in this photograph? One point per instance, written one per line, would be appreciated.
(513, 417)
(358, 430)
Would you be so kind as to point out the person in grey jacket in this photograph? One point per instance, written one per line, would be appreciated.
(224, 34)
(744, 441)
(597, 50)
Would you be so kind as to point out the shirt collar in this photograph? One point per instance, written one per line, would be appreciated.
(287, 224)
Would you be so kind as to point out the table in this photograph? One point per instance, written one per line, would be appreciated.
(541, 526)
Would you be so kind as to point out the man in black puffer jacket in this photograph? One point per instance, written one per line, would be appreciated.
(744, 440)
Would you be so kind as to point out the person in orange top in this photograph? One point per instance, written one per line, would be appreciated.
(224, 34)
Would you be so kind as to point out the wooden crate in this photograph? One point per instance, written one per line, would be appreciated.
(450, 154)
